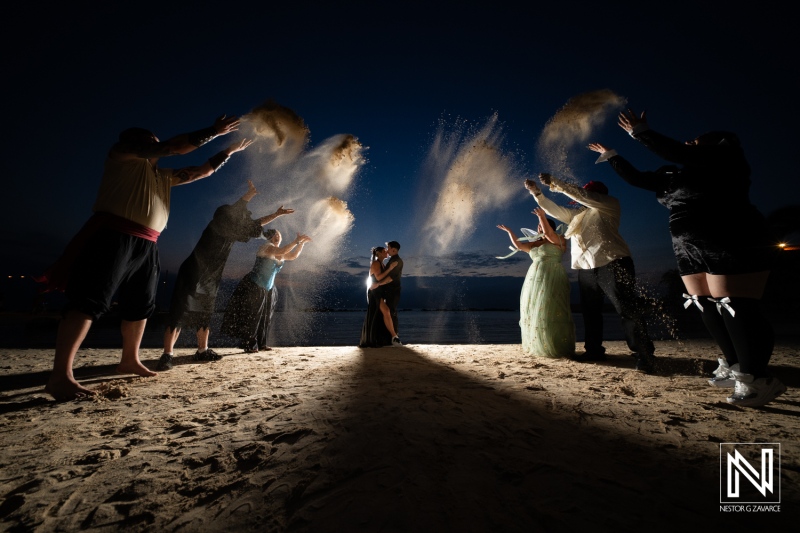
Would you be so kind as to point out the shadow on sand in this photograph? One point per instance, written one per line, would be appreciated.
(427, 448)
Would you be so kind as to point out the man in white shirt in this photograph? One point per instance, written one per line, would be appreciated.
(604, 265)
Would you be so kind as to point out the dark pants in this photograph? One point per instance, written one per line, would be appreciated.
(113, 263)
(392, 295)
(617, 282)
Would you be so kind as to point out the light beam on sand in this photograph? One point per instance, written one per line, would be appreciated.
(466, 174)
(572, 126)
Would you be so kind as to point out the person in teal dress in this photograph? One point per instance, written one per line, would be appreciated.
(252, 304)
(545, 316)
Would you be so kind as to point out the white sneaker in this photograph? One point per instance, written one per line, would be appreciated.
(396, 341)
(722, 375)
(751, 392)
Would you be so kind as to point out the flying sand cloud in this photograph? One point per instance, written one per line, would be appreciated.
(468, 175)
(571, 127)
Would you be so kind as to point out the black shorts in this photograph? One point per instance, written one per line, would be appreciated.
(702, 253)
(716, 246)
(113, 263)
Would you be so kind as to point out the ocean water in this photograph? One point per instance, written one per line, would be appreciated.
(341, 328)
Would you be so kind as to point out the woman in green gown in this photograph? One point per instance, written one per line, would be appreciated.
(545, 315)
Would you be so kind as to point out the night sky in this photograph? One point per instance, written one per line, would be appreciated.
(77, 74)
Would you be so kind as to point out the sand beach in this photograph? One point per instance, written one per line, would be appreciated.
(419, 438)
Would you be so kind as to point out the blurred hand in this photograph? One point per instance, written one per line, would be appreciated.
(281, 211)
(532, 187)
(545, 178)
(628, 120)
(597, 147)
(225, 124)
(238, 146)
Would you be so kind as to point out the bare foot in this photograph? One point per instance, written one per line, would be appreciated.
(66, 389)
(135, 368)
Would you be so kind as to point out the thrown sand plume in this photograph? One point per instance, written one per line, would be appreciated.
(572, 126)
(312, 181)
(332, 219)
(469, 175)
(283, 130)
(336, 161)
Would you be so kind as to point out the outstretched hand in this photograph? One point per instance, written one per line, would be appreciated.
(532, 187)
(251, 189)
(302, 239)
(628, 120)
(597, 147)
(505, 228)
(281, 211)
(238, 146)
(545, 178)
(539, 212)
(225, 124)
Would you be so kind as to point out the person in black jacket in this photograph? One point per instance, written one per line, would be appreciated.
(726, 267)
(199, 276)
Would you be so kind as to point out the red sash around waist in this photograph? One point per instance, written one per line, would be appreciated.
(55, 277)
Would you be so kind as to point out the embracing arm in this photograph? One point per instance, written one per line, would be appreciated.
(182, 176)
(375, 270)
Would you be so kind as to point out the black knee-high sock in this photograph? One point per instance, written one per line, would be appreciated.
(751, 334)
(715, 325)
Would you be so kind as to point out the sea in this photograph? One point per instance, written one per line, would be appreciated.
(311, 328)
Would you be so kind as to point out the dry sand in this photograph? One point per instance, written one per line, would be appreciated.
(420, 438)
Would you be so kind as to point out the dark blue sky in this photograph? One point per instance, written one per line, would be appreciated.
(75, 75)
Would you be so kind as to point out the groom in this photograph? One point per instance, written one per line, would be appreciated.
(392, 289)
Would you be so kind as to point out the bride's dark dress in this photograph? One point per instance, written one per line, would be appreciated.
(374, 333)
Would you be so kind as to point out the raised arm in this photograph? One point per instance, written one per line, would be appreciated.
(279, 213)
(281, 252)
(293, 254)
(182, 176)
(602, 202)
(563, 214)
(668, 148)
(650, 181)
(148, 147)
(251, 192)
(524, 246)
(549, 233)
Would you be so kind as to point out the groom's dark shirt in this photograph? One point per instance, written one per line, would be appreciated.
(396, 272)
